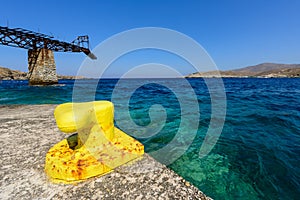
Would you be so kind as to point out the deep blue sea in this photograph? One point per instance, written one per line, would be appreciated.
(257, 155)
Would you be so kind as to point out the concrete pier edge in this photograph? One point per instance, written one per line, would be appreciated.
(28, 131)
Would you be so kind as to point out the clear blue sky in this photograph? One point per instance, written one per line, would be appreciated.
(236, 33)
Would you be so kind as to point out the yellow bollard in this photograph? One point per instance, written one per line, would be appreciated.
(98, 147)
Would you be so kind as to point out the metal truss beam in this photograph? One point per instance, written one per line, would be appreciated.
(22, 38)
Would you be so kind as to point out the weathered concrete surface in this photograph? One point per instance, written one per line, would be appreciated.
(27, 133)
(41, 67)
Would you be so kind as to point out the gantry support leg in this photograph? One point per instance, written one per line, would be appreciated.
(41, 67)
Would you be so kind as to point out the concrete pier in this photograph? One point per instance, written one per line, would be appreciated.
(28, 131)
(41, 67)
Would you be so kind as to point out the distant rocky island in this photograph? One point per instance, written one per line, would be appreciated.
(9, 74)
(264, 70)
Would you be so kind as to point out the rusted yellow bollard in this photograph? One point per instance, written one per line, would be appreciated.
(98, 147)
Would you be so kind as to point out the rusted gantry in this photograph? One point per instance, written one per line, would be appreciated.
(22, 38)
(40, 47)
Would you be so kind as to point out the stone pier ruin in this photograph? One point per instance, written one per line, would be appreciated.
(41, 67)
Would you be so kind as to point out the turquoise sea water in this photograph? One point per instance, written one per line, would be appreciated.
(257, 155)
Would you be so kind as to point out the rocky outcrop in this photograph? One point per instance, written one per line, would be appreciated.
(8, 74)
(41, 67)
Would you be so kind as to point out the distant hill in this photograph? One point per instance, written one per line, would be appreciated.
(9, 74)
(264, 70)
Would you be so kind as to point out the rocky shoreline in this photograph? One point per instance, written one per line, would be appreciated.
(28, 131)
(9, 74)
(264, 70)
